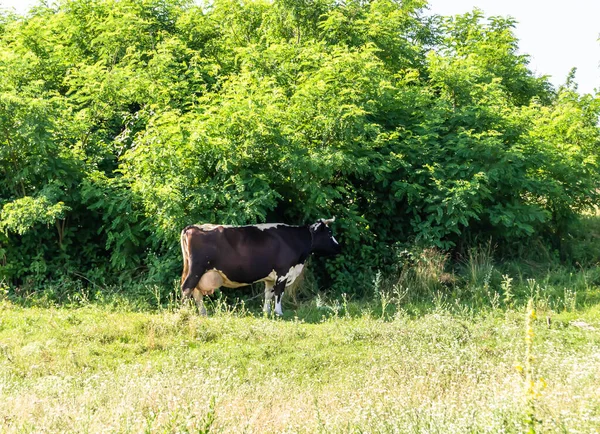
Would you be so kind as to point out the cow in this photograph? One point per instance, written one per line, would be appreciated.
(234, 256)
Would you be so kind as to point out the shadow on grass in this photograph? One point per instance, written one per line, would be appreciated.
(509, 286)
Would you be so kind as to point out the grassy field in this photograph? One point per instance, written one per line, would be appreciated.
(101, 368)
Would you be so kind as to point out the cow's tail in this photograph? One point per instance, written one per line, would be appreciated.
(192, 272)
(186, 256)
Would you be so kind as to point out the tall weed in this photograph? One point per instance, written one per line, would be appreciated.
(423, 273)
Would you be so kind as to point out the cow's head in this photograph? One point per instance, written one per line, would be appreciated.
(323, 242)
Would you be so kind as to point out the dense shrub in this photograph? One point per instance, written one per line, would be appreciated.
(123, 121)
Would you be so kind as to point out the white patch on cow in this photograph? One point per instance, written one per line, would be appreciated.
(229, 283)
(210, 226)
(261, 226)
(278, 309)
(334, 240)
(264, 226)
(272, 277)
(292, 274)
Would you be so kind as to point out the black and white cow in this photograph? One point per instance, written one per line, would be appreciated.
(234, 256)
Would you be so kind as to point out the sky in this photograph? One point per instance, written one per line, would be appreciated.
(556, 35)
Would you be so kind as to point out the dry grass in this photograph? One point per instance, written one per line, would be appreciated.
(425, 272)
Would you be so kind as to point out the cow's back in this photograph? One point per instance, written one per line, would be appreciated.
(245, 254)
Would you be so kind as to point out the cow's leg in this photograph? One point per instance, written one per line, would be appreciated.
(198, 298)
(206, 285)
(278, 292)
(268, 295)
(195, 271)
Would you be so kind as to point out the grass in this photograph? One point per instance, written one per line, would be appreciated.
(325, 367)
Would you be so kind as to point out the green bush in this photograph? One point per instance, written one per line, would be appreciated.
(123, 121)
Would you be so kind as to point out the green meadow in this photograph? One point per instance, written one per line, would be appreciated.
(326, 366)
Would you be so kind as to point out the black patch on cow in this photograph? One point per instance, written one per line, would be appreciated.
(246, 254)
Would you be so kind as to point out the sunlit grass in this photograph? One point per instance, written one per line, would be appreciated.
(93, 369)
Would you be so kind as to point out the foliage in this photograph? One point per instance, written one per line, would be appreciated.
(22, 214)
(123, 121)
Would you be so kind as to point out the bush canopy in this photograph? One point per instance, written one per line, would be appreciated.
(122, 121)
